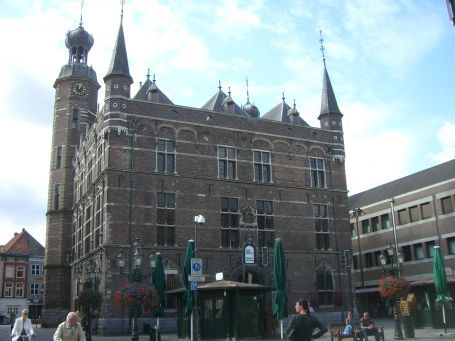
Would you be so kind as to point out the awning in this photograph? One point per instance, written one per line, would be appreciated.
(430, 281)
(373, 289)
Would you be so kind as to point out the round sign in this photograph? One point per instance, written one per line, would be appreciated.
(197, 266)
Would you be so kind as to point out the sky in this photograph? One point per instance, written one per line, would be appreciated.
(391, 63)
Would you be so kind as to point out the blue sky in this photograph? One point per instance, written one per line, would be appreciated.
(391, 64)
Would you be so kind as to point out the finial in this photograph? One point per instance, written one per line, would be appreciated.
(154, 79)
(82, 7)
(148, 73)
(229, 91)
(121, 15)
(219, 85)
(282, 96)
(321, 40)
(247, 92)
(294, 103)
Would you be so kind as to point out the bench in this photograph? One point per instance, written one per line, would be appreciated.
(336, 331)
(380, 330)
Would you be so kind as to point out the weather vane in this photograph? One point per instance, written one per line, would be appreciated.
(322, 46)
(122, 2)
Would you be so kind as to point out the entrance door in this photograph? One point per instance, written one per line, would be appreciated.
(213, 318)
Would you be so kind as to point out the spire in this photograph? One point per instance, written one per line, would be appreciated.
(119, 62)
(328, 101)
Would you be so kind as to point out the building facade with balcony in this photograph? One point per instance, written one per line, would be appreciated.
(22, 275)
(143, 167)
(416, 211)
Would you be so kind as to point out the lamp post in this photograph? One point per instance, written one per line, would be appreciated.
(357, 212)
(136, 276)
(347, 254)
(396, 258)
(199, 219)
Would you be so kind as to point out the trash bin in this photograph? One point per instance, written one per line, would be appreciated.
(155, 334)
(408, 325)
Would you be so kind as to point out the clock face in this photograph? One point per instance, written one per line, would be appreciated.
(79, 88)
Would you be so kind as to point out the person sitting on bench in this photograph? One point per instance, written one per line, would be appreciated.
(367, 327)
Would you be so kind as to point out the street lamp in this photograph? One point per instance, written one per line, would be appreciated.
(396, 259)
(135, 278)
(198, 219)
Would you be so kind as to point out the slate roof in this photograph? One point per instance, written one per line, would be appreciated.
(119, 61)
(142, 93)
(442, 172)
(280, 113)
(24, 244)
(328, 102)
(215, 103)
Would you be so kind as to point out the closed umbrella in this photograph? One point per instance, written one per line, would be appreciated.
(280, 301)
(159, 282)
(440, 283)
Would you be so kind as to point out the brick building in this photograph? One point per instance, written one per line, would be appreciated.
(142, 167)
(21, 275)
(421, 208)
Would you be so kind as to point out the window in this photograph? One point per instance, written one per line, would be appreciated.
(20, 271)
(451, 245)
(75, 118)
(265, 219)
(355, 262)
(261, 162)
(418, 250)
(19, 289)
(369, 260)
(352, 230)
(407, 255)
(321, 226)
(56, 197)
(34, 289)
(98, 215)
(374, 224)
(324, 282)
(376, 258)
(317, 172)
(365, 226)
(229, 222)
(165, 156)
(165, 219)
(89, 172)
(426, 210)
(227, 163)
(12, 310)
(88, 229)
(414, 213)
(36, 269)
(385, 222)
(9, 271)
(8, 289)
(99, 161)
(446, 204)
(403, 217)
(430, 249)
(58, 157)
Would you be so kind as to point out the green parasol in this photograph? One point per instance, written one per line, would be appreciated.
(280, 300)
(159, 282)
(440, 283)
(188, 297)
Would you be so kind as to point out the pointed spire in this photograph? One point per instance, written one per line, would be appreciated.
(82, 7)
(328, 101)
(119, 62)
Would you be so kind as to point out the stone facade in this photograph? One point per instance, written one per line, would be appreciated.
(145, 167)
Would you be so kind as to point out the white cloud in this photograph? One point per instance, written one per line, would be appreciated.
(446, 138)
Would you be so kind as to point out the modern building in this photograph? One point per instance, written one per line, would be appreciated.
(411, 215)
(142, 167)
(21, 275)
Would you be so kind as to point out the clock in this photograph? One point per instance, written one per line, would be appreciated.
(79, 88)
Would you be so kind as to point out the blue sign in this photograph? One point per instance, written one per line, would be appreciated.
(193, 285)
(197, 267)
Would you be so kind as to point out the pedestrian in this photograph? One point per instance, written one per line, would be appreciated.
(22, 327)
(12, 319)
(349, 322)
(303, 325)
(367, 327)
(70, 330)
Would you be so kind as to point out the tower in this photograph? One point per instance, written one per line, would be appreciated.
(76, 96)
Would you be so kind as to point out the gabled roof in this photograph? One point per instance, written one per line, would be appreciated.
(24, 244)
(150, 85)
(215, 103)
(442, 172)
(328, 101)
(280, 113)
(119, 61)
